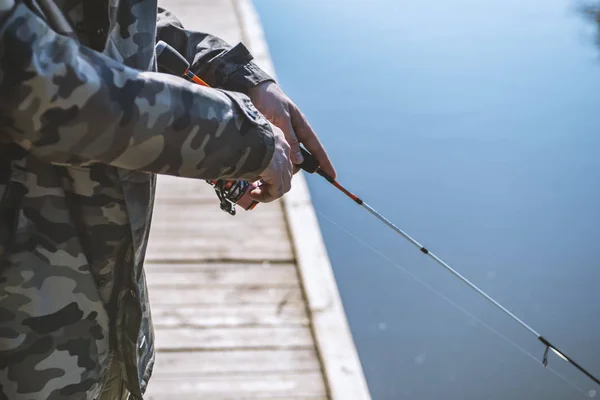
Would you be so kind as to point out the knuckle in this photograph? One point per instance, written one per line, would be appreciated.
(268, 196)
(288, 181)
(282, 189)
(282, 150)
(288, 186)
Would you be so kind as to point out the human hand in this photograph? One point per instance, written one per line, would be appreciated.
(277, 177)
(278, 108)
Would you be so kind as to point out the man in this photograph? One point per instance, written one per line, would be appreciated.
(82, 132)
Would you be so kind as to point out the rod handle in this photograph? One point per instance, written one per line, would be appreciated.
(310, 163)
(170, 59)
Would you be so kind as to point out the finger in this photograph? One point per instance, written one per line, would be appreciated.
(287, 178)
(254, 179)
(291, 138)
(268, 192)
(287, 183)
(261, 194)
(308, 137)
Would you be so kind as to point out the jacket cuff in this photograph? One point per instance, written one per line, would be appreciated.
(255, 151)
(233, 70)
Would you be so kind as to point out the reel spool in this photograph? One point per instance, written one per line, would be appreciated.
(232, 193)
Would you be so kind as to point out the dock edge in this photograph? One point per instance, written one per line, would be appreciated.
(343, 371)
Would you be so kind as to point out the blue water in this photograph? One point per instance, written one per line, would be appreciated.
(475, 125)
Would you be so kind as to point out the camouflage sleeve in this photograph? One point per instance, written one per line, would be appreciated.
(70, 105)
(211, 58)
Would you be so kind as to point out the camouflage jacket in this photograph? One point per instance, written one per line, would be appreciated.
(82, 135)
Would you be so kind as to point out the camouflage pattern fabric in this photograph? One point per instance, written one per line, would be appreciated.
(82, 135)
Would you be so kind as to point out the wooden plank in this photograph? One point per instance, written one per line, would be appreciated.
(183, 267)
(202, 232)
(233, 338)
(208, 309)
(285, 314)
(223, 274)
(202, 363)
(172, 189)
(204, 249)
(208, 295)
(343, 370)
(236, 387)
(216, 17)
(209, 212)
(238, 396)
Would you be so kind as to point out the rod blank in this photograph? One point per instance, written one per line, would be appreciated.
(310, 165)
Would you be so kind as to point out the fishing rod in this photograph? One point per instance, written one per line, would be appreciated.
(231, 193)
(311, 166)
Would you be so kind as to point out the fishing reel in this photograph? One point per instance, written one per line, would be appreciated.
(232, 193)
(229, 192)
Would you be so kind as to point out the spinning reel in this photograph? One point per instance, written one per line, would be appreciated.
(231, 193)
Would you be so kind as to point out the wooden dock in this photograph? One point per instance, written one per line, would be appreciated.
(244, 307)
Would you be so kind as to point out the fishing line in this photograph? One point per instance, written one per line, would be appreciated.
(590, 394)
(231, 193)
(311, 165)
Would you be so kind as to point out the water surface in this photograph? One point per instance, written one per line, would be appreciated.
(475, 125)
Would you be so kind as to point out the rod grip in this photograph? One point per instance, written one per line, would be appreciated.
(170, 59)
(310, 163)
